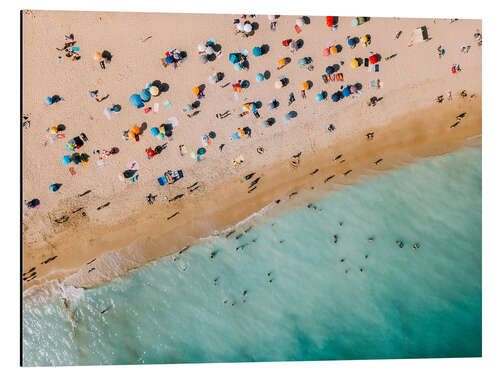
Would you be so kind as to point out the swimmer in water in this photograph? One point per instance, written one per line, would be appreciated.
(341, 223)
(370, 239)
(212, 255)
(415, 246)
(400, 243)
(334, 238)
(366, 256)
(244, 292)
(215, 281)
(360, 270)
(342, 260)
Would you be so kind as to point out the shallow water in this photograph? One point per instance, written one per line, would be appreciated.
(404, 304)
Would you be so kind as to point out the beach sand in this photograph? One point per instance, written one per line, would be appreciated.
(407, 125)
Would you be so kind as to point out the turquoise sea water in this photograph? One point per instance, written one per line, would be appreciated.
(404, 304)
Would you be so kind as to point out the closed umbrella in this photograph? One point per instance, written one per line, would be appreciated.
(326, 52)
(354, 63)
(329, 70)
(373, 59)
(257, 51)
(145, 95)
(136, 100)
(346, 91)
(66, 159)
(259, 77)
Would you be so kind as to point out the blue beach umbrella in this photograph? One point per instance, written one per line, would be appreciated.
(66, 159)
(135, 100)
(336, 97)
(238, 67)
(54, 187)
(48, 100)
(319, 97)
(155, 131)
(346, 91)
(201, 151)
(169, 59)
(145, 95)
(292, 114)
(329, 70)
(302, 62)
(233, 58)
(351, 42)
(257, 51)
(188, 107)
(76, 158)
(260, 77)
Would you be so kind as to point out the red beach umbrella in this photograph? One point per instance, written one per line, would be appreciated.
(329, 21)
(150, 152)
(373, 59)
(326, 52)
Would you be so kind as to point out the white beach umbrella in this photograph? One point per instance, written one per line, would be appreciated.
(239, 26)
(299, 22)
(209, 50)
(278, 84)
(212, 78)
(248, 27)
(201, 47)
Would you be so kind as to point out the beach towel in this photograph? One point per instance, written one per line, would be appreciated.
(162, 180)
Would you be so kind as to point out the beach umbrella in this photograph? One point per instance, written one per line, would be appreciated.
(155, 131)
(248, 27)
(271, 17)
(373, 59)
(202, 151)
(238, 67)
(188, 107)
(319, 97)
(135, 99)
(281, 62)
(329, 70)
(209, 50)
(278, 84)
(212, 78)
(196, 90)
(333, 50)
(168, 133)
(329, 21)
(259, 77)
(355, 22)
(257, 51)
(233, 58)
(212, 134)
(97, 56)
(135, 129)
(326, 52)
(364, 39)
(145, 95)
(155, 91)
(305, 85)
(292, 114)
(66, 159)
(169, 59)
(302, 62)
(351, 42)
(203, 59)
(48, 100)
(271, 105)
(336, 97)
(116, 108)
(354, 63)
(201, 47)
(53, 130)
(346, 91)
(54, 187)
(150, 152)
(299, 22)
(239, 26)
(76, 158)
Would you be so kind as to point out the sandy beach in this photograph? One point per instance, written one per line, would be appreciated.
(407, 122)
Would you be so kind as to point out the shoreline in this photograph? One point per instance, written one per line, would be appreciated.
(407, 125)
(115, 262)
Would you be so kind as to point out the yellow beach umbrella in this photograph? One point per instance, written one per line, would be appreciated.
(154, 91)
(98, 56)
(333, 50)
(135, 129)
(53, 130)
(354, 63)
(281, 63)
(305, 85)
(196, 90)
(364, 39)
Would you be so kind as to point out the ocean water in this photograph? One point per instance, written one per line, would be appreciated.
(404, 303)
